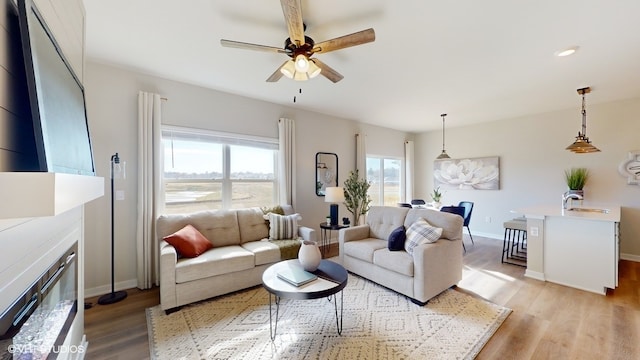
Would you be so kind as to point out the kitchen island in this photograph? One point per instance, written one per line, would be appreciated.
(576, 247)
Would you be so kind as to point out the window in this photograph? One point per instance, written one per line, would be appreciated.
(384, 176)
(206, 170)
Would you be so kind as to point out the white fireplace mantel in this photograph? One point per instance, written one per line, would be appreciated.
(35, 194)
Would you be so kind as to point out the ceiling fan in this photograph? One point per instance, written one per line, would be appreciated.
(301, 48)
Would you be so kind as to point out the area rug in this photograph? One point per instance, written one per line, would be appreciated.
(377, 324)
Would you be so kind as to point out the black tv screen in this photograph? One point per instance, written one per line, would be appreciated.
(56, 97)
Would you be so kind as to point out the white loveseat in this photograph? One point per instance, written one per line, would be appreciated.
(240, 254)
(431, 269)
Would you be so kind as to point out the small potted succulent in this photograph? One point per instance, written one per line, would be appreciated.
(436, 195)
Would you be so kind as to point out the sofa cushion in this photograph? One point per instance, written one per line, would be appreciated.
(252, 225)
(364, 249)
(283, 226)
(220, 226)
(396, 239)
(265, 252)
(451, 224)
(382, 220)
(396, 261)
(421, 232)
(217, 261)
(188, 241)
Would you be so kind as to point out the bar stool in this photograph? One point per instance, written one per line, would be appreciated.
(514, 247)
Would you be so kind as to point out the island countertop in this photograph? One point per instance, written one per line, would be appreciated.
(542, 210)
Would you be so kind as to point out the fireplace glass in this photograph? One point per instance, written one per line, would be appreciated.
(37, 323)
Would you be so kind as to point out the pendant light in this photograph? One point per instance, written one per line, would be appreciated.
(582, 144)
(443, 155)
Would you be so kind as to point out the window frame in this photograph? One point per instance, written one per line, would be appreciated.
(226, 140)
(381, 184)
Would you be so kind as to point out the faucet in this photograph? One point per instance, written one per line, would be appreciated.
(567, 195)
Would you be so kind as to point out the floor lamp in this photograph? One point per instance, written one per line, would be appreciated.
(117, 170)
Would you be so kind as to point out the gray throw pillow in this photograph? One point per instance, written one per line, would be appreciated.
(421, 232)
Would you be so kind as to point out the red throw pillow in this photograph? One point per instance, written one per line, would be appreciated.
(189, 242)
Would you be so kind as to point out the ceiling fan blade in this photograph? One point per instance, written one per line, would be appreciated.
(360, 37)
(293, 16)
(327, 71)
(277, 74)
(249, 46)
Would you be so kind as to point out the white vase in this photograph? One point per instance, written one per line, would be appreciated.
(309, 255)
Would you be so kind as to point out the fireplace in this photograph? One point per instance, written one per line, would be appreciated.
(36, 324)
(42, 264)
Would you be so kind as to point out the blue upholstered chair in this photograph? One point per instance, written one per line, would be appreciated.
(458, 210)
(468, 208)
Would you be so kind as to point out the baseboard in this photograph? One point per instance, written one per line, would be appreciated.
(483, 234)
(104, 289)
(630, 257)
(534, 275)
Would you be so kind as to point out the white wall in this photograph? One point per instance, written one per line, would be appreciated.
(533, 160)
(111, 95)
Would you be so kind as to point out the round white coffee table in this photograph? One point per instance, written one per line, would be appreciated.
(332, 278)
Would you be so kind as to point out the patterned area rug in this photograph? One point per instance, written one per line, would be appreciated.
(378, 324)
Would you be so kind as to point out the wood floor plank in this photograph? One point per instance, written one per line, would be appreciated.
(548, 321)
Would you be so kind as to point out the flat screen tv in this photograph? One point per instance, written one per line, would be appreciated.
(56, 97)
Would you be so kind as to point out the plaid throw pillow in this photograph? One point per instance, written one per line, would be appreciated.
(283, 227)
(421, 232)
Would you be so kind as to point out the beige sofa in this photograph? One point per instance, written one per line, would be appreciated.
(239, 256)
(430, 270)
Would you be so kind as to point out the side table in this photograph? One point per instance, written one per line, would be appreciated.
(325, 237)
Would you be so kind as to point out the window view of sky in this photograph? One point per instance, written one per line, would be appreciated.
(195, 157)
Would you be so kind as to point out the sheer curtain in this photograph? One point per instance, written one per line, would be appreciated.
(287, 162)
(408, 169)
(149, 187)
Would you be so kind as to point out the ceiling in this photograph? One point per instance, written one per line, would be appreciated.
(477, 61)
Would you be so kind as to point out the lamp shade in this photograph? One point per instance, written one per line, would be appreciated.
(334, 194)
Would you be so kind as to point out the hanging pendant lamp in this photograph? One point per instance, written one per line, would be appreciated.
(582, 144)
(444, 154)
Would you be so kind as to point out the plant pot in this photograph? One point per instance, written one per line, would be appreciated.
(309, 255)
(577, 192)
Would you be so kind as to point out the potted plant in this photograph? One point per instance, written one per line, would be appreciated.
(356, 197)
(576, 178)
(436, 195)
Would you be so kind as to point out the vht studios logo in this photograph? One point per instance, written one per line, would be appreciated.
(57, 349)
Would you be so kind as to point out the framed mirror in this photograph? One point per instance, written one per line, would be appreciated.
(326, 171)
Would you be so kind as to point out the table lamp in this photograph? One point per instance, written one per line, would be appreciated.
(334, 195)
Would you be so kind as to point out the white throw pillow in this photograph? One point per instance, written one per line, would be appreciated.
(283, 227)
(421, 232)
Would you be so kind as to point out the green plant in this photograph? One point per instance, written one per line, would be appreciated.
(356, 196)
(436, 194)
(576, 178)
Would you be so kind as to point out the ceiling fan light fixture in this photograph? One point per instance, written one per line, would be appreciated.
(300, 76)
(302, 63)
(314, 70)
(288, 69)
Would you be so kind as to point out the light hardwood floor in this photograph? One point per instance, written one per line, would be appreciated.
(548, 321)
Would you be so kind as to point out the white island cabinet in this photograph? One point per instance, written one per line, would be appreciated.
(575, 248)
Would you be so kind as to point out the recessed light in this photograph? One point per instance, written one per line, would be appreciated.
(566, 52)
